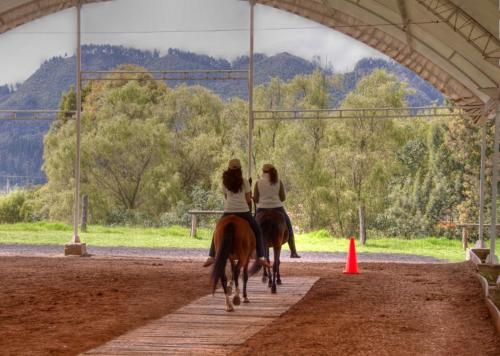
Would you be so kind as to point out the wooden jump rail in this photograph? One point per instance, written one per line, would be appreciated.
(465, 229)
(194, 218)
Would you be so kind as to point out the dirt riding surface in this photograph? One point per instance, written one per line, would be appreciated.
(389, 309)
(64, 306)
(69, 305)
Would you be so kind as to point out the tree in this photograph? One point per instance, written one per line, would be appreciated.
(126, 150)
(370, 142)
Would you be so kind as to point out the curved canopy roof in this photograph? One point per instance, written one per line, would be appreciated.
(453, 44)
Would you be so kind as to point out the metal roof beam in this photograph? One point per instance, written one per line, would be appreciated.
(368, 113)
(473, 32)
(169, 75)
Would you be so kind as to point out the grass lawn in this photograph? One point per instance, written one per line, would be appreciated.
(46, 233)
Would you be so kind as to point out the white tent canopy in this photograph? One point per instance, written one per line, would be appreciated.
(453, 44)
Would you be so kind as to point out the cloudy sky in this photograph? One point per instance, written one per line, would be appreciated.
(215, 27)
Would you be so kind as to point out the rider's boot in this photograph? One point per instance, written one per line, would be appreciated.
(263, 262)
(210, 261)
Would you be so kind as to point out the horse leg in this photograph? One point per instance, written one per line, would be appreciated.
(268, 270)
(230, 287)
(245, 280)
(236, 275)
(278, 262)
(265, 274)
(270, 276)
(275, 269)
(229, 305)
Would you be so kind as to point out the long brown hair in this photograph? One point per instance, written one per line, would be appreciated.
(273, 175)
(233, 179)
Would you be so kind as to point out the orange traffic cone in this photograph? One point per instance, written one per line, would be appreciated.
(351, 265)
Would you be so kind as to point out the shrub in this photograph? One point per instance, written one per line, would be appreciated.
(11, 206)
(129, 218)
(179, 216)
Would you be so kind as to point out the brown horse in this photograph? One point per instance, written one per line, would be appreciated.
(274, 234)
(233, 240)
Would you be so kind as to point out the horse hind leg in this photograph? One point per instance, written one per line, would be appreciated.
(275, 268)
(277, 261)
(229, 305)
(270, 276)
(236, 276)
(231, 280)
(245, 280)
(266, 271)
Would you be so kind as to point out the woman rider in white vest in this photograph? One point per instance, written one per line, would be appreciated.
(269, 194)
(238, 201)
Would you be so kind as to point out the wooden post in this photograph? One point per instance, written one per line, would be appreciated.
(194, 219)
(85, 206)
(465, 237)
(362, 227)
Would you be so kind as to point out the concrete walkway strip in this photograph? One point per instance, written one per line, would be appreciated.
(205, 328)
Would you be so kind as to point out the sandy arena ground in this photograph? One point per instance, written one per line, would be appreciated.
(63, 306)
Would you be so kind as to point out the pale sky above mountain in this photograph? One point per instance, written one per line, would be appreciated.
(218, 28)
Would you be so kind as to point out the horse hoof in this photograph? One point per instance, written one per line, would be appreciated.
(273, 290)
(264, 279)
(236, 300)
(278, 281)
(245, 300)
(229, 309)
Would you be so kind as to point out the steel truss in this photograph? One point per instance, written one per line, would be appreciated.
(462, 23)
(33, 115)
(163, 75)
(293, 114)
(370, 113)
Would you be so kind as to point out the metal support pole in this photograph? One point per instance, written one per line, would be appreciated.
(250, 89)
(494, 182)
(76, 238)
(481, 187)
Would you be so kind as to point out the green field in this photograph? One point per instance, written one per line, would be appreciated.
(45, 233)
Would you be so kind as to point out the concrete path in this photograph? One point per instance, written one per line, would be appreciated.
(201, 254)
(205, 328)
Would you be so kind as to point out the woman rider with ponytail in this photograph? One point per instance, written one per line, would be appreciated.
(269, 194)
(238, 201)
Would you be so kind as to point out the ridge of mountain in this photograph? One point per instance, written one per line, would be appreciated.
(21, 143)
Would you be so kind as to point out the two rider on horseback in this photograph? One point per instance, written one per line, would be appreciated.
(268, 195)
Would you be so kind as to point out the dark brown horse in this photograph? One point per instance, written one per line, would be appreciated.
(274, 234)
(234, 240)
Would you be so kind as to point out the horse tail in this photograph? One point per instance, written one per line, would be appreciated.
(256, 267)
(222, 255)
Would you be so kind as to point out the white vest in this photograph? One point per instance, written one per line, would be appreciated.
(236, 202)
(269, 194)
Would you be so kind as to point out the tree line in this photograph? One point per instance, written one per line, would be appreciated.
(151, 152)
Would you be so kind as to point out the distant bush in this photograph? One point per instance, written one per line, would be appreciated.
(179, 216)
(129, 218)
(11, 207)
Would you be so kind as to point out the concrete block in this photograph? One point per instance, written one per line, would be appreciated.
(75, 249)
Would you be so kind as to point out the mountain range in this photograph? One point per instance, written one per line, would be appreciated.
(21, 142)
